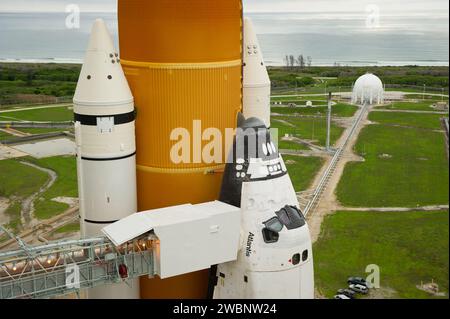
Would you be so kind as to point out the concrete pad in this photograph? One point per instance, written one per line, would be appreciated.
(48, 148)
(7, 152)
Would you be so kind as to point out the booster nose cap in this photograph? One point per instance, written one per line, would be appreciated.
(100, 39)
(102, 81)
(255, 72)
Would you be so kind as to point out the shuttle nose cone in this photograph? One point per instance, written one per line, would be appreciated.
(256, 79)
(102, 81)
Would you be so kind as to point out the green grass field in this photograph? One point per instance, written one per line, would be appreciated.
(409, 247)
(4, 136)
(403, 167)
(415, 120)
(40, 130)
(302, 170)
(65, 185)
(48, 114)
(299, 98)
(291, 145)
(69, 228)
(413, 106)
(13, 213)
(19, 180)
(338, 110)
(419, 90)
(306, 128)
(427, 97)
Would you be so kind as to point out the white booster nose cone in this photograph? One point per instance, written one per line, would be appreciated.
(256, 99)
(102, 81)
(106, 149)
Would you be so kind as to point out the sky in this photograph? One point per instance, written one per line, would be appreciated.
(394, 7)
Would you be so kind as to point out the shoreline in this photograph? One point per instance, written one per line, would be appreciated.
(269, 63)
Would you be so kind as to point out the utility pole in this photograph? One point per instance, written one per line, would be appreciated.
(329, 122)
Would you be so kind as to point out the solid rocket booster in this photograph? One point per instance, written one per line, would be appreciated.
(105, 137)
(256, 94)
(183, 61)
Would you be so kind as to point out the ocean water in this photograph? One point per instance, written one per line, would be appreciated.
(421, 39)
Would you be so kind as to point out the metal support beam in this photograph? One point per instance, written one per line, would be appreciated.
(66, 267)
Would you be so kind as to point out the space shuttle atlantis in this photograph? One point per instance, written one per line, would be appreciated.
(223, 230)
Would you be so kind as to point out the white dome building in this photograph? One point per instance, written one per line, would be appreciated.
(368, 89)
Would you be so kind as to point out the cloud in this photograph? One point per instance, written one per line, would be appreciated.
(56, 5)
(387, 6)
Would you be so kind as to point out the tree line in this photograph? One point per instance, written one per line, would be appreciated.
(299, 62)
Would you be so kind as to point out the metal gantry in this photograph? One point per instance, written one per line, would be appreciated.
(67, 267)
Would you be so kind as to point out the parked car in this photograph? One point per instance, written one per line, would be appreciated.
(359, 288)
(347, 292)
(341, 297)
(356, 281)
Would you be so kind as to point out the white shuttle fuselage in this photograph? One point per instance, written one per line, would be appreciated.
(275, 257)
(106, 149)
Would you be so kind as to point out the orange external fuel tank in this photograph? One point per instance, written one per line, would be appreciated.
(183, 62)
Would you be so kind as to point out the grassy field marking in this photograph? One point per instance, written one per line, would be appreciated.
(291, 145)
(423, 121)
(53, 114)
(430, 98)
(338, 110)
(13, 212)
(403, 168)
(302, 170)
(307, 128)
(299, 98)
(69, 228)
(5, 136)
(413, 106)
(65, 185)
(409, 247)
(19, 180)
